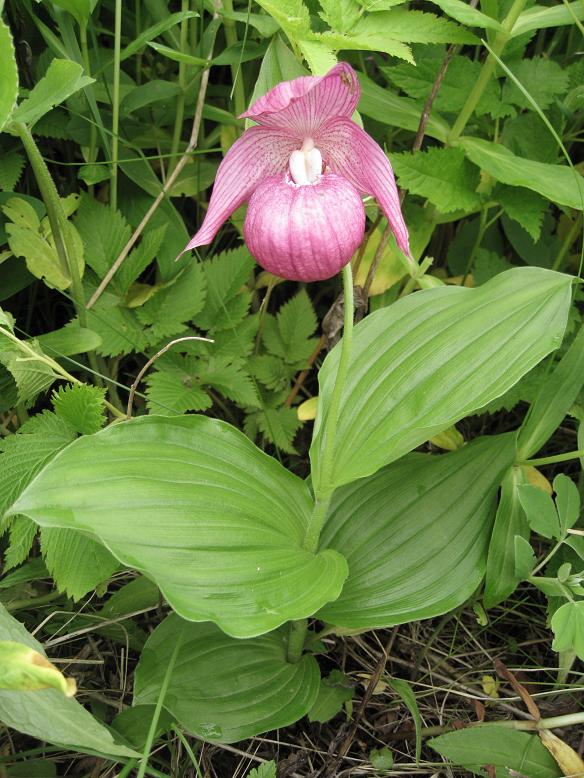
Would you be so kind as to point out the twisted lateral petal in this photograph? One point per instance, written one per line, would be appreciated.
(350, 152)
(259, 153)
(302, 105)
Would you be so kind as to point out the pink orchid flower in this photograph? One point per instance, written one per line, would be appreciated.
(303, 169)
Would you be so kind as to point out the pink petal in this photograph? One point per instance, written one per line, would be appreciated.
(307, 232)
(302, 105)
(351, 152)
(257, 154)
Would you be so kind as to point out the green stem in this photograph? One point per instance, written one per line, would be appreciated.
(91, 155)
(568, 241)
(32, 602)
(324, 489)
(55, 366)
(296, 639)
(486, 73)
(182, 82)
(554, 459)
(158, 710)
(116, 105)
(231, 38)
(57, 218)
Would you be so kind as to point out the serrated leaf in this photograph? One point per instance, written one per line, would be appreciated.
(192, 502)
(466, 14)
(224, 690)
(226, 303)
(442, 175)
(402, 527)
(319, 56)
(47, 714)
(451, 351)
(9, 80)
(139, 259)
(117, 326)
(175, 391)
(558, 183)
(341, 15)
(279, 426)
(11, 169)
(524, 206)
(21, 533)
(176, 303)
(288, 335)
(417, 81)
(62, 79)
(81, 406)
(104, 234)
(407, 26)
(542, 77)
(265, 770)
(76, 562)
(292, 16)
(32, 376)
(231, 379)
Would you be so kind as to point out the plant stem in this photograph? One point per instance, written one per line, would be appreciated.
(486, 73)
(91, 154)
(324, 489)
(180, 102)
(296, 639)
(568, 240)
(157, 711)
(32, 602)
(56, 215)
(231, 38)
(116, 106)
(554, 459)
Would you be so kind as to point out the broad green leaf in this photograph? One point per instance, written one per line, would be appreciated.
(385, 106)
(402, 528)
(506, 749)
(69, 340)
(224, 690)
(77, 563)
(510, 521)
(22, 669)
(334, 691)
(193, 503)
(62, 79)
(9, 80)
(450, 351)
(442, 175)
(466, 14)
(558, 183)
(155, 30)
(47, 714)
(567, 501)
(568, 628)
(554, 400)
(539, 17)
(540, 511)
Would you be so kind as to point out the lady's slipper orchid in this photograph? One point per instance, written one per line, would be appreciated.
(303, 169)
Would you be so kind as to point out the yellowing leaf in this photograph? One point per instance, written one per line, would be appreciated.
(24, 669)
(570, 763)
(450, 440)
(536, 478)
(306, 411)
(490, 686)
(391, 267)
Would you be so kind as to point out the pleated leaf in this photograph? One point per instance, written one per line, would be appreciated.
(222, 689)
(193, 503)
(431, 359)
(415, 534)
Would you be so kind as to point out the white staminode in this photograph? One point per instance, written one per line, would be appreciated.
(305, 163)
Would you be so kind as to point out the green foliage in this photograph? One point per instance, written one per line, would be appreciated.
(9, 83)
(334, 691)
(444, 176)
(81, 406)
